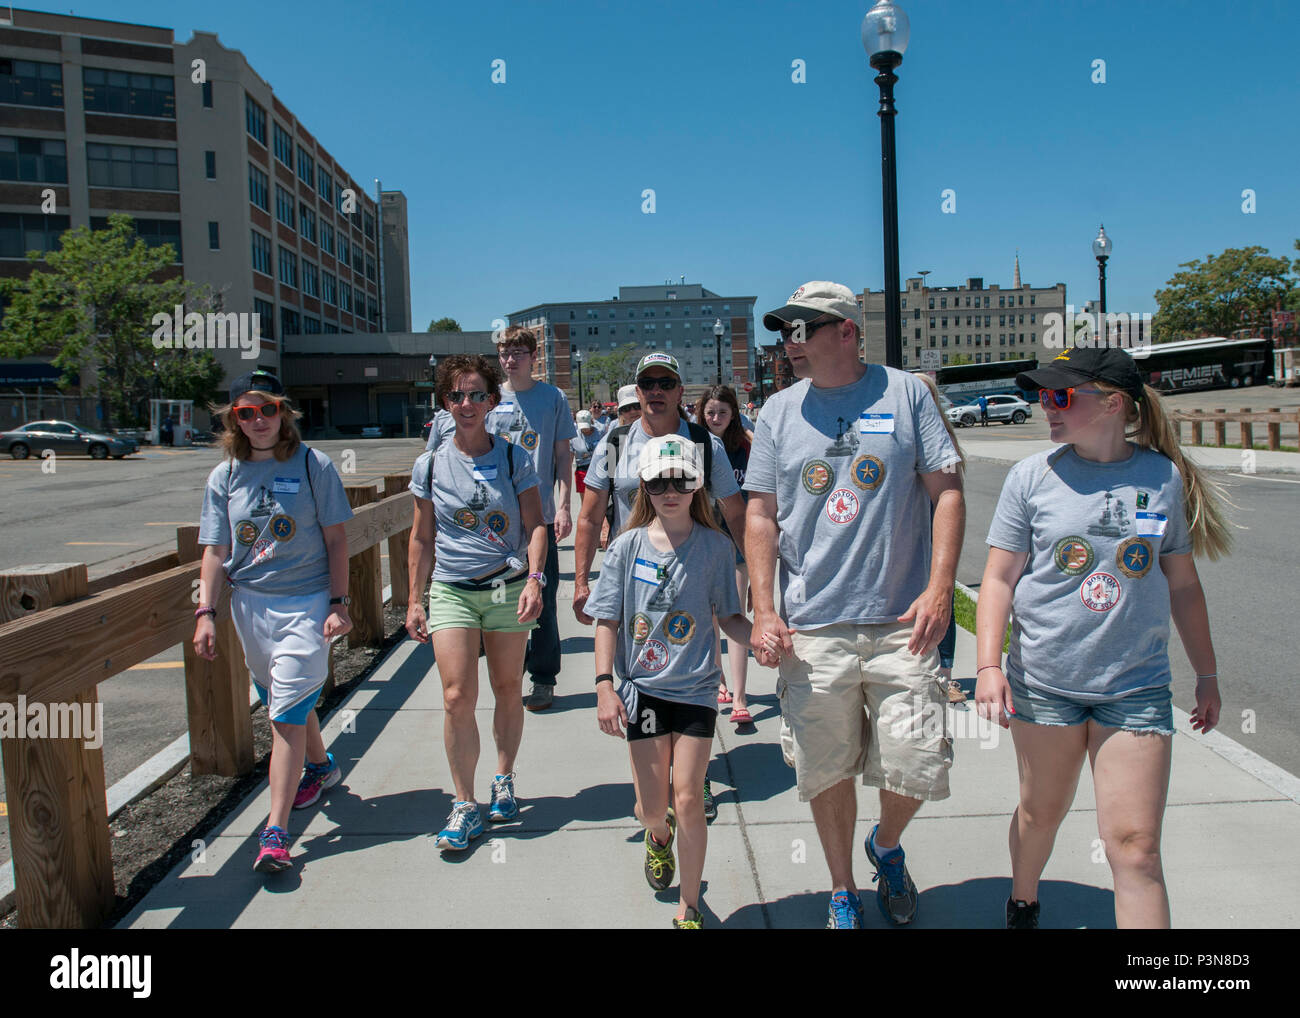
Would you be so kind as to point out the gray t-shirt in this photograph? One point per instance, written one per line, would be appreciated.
(1091, 610)
(722, 483)
(271, 514)
(583, 446)
(476, 509)
(845, 464)
(665, 603)
(534, 420)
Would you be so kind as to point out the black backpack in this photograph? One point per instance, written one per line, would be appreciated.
(699, 435)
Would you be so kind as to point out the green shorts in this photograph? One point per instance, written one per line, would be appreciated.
(494, 610)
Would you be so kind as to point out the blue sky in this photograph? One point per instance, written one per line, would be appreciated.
(530, 191)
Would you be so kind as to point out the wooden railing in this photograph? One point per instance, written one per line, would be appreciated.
(1220, 418)
(62, 635)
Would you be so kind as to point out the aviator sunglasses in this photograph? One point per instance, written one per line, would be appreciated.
(1061, 399)
(249, 413)
(658, 485)
(456, 397)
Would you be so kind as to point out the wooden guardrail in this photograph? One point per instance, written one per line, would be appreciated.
(61, 636)
(1220, 418)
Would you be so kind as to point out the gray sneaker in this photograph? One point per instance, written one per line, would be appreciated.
(540, 698)
(895, 893)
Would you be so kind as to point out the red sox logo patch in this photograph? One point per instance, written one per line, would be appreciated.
(842, 506)
(654, 657)
(1100, 592)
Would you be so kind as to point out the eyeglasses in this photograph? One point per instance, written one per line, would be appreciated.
(808, 329)
(1061, 398)
(658, 485)
(651, 382)
(456, 397)
(515, 351)
(249, 413)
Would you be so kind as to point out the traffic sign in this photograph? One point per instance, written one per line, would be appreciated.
(748, 386)
(929, 360)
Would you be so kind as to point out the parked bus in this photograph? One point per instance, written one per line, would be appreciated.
(962, 383)
(1213, 363)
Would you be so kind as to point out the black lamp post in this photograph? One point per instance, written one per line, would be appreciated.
(577, 359)
(717, 336)
(1101, 247)
(758, 364)
(884, 36)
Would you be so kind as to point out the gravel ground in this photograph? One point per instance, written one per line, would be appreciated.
(152, 835)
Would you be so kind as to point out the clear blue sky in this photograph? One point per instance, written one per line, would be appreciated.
(530, 191)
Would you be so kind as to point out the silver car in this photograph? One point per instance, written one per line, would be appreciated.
(63, 439)
(1007, 409)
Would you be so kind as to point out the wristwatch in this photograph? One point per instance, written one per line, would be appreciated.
(539, 577)
(344, 600)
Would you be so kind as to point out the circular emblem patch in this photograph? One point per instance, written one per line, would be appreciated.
(1134, 557)
(842, 506)
(466, 518)
(529, 440)
(1100, 592)
(679, 626)
(1073, 555)
(654, 657)
(818, 476)
(640, 628)
(497, 521)
(868, 472)
(282, 527)
(246, 532)
(263, 550)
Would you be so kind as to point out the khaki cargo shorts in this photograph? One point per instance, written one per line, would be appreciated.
(854, 700)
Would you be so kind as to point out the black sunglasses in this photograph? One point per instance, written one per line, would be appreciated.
(456, 397)
(651, 382)
(808, 328)
(658, 485)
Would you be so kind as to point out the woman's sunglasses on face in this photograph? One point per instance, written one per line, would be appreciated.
(658, 485)
(250, 413)
(648, 384)
(1060, 399)
(456, 397)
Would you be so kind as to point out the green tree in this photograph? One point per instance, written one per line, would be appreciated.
(614, 368)
(961, 358)
(1226, 292)
(91, 306)
(444, 325)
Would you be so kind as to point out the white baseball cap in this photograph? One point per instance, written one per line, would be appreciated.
(671, 456)
(627, 397)
(659, 360)
(584, 417)
(811, 301)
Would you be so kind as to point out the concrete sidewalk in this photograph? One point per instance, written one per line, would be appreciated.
(364, 856)
(1013, 450)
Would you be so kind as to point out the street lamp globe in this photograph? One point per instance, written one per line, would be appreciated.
(1101, 247)
(885, 30)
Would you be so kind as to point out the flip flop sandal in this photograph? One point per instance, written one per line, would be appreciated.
(725, 696)
(741, 717)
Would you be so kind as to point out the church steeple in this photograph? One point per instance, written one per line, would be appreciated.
(1016, 282)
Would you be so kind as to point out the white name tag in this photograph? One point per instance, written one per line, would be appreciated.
(487, 472)
(1150, 524)
(876, 424)
(286, 485)
(504, 408)
(648, 572)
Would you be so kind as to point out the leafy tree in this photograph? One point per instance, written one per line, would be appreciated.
(614, 368)
(444, 325)
(1225, 292)
(91, 305)
(961, 358)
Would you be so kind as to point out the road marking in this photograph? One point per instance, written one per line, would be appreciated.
(102, 544)
(156, 666)
(1256, 477)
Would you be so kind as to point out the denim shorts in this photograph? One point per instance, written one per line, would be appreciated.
(1147, 710)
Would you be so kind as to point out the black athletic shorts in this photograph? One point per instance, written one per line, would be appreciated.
(660, 717)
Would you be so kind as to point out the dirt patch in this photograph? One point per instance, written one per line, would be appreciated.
(151, 836)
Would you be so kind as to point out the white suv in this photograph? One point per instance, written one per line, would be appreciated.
(1007, 409)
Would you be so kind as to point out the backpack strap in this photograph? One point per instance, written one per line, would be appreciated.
(310, 486)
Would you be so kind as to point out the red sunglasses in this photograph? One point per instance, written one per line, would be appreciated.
(249, 413)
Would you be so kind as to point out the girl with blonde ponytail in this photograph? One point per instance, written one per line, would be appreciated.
(1091, 553)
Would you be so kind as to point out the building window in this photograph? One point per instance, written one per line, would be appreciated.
(1022, 300)
(28, 83)
(986, 300)
(945, 358)
(345, 296)
(133, 166)
(310, 326)
(214, 237)
(945, 341)
(1031, 300)
(1002, 320)
(310, 279)
(904, 304)
(154, 232)
(307, 222)
(288, 267)
(255, 120)
(326, 238)
(1033, 319)
(945, 321)
(345, 249)
(331, 327)
(207, 95)
(257, 188)
(284, 207)
(932, 321)
(329, 289)
(265, 312)
(943, 302)
(369, 228)
(917, 336)
(324, 183)
(931, 303)
(987, 321)
(357, 264)
(916, 314)
(306, 167)
(138, 95)
(210, 164)
(289, 322)
(1002, 339)
(33, 159)
(23, 232)
(283, 144)
(370, 268)
(261, 254)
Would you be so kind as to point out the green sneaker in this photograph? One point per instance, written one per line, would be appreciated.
(710, 807)
(692, 921)
(659, 863)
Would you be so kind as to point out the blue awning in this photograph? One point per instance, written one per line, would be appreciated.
(29, 374)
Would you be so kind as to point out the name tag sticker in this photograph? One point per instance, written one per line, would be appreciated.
(876, 424)
(286, 485)
(647, 571)
(505, 408)
(1150, 524)
(487, 472)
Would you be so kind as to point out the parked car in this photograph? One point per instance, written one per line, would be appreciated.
(64, 439)
(372, 431)
(1007, 409)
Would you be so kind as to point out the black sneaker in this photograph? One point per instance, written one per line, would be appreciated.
(710, 807)
(692, 921)
(540, 697)
(1022, 916)
(895, 892)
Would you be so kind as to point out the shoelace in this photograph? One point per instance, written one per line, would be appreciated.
(501, 790)
(459, 818)
(842, 907)
(893, 871)
(274, 839)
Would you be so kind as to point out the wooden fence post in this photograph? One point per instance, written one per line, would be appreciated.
(216, 692)
(398, 575)
(1247, 431)
(365, 580)
(1198, 432)
(1275, 430)
(58, 803)
(1220, 428)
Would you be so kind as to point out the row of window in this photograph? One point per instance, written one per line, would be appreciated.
(986, 338)
(42, 160)
(45, 160)
(705, 309)
(315, 282)
(980, 358)
(139, 95)
(594, 330)
(1002, 319)
(1002, 301)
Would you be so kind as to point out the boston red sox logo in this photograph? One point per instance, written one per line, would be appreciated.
(654, 657)
(842, 506)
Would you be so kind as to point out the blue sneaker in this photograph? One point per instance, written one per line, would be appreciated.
(504, 806)
(896, 894)
(463, 825)
(845, 912)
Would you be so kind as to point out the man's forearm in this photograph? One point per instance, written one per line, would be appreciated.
(586, 534)
(949, 529)
(760, 553)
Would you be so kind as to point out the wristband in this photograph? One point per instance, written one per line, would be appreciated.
(1211, 675)
(978, 670)
(206, 610)
(605, 678)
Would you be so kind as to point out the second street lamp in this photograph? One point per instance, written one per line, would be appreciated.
(884, 36)
(758, 365)
(717, 336)
(577, 359)
(1101, 247)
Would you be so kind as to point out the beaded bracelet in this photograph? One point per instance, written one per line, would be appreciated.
(978, 670)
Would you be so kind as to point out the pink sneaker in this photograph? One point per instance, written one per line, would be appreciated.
(274, 856)
(315, 779)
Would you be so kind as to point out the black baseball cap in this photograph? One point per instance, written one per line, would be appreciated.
(1085, 364)
(262, 381)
